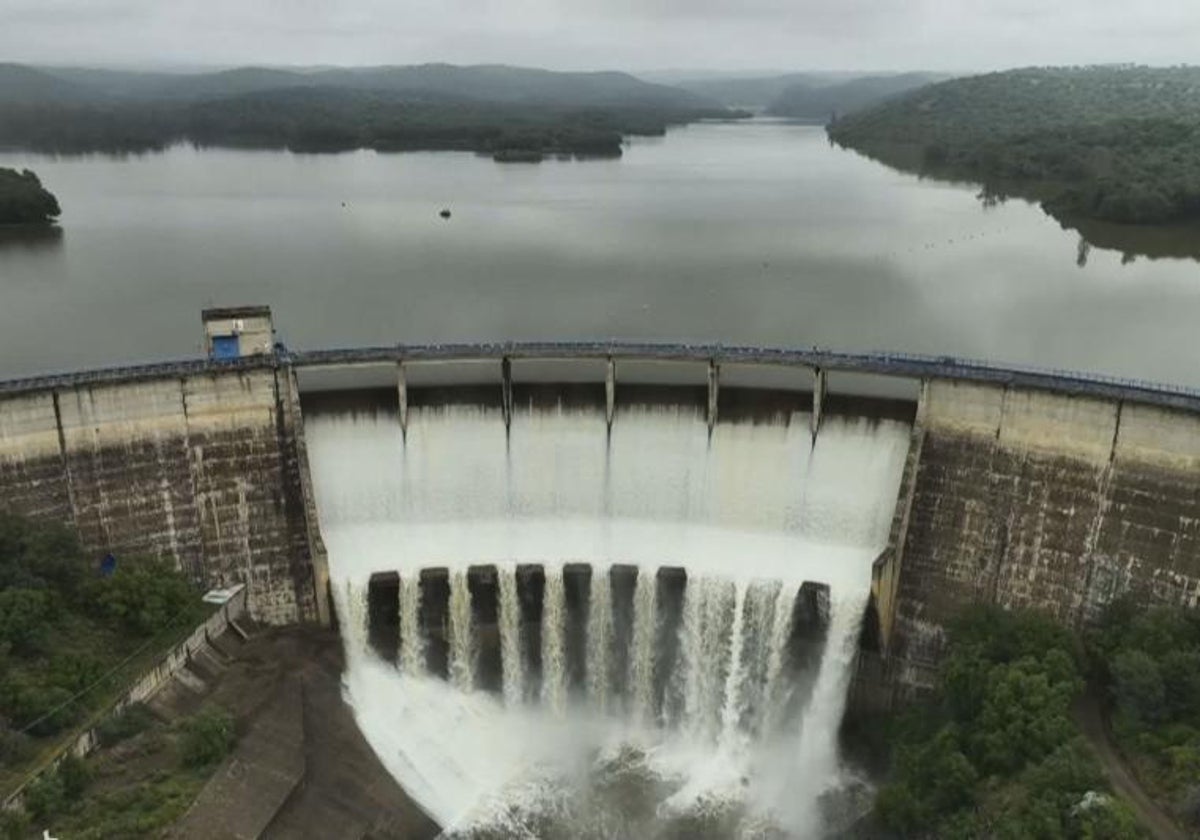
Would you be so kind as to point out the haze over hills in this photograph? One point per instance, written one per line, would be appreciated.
(758, 92)
(21, 84)
(490, 83)
(1114, 143)
(496, 109)
(809, 101)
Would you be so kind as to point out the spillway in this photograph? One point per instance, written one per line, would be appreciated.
(605, 630)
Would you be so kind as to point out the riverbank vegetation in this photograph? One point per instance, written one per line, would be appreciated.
(996, 752)
(1116, 144)
(72, 638)
(24, 201)
(1148, 663)
(145, 775)
(500, 111)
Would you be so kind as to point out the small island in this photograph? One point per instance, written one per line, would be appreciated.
(24, 201)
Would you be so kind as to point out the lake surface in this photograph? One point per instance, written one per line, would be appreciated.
(756, 233)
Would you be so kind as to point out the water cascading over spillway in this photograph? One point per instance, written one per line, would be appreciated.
(671, 611)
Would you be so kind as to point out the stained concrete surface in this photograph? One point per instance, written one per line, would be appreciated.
(301, 768)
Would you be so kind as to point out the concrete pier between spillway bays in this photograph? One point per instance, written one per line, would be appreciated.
(1023, 488)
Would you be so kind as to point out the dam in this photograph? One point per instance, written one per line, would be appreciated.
(565, 573)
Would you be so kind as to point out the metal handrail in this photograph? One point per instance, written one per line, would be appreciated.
(906, 365)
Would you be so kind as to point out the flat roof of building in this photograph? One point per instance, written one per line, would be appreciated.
(221, 312)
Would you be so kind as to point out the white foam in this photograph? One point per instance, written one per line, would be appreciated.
(752, 503)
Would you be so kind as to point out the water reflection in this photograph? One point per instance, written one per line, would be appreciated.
(30, 237)
(1177, 241)
(1168, 241)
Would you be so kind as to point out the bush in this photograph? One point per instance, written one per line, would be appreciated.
(14, 825)
(74, 775)
(1138, 687)
(25, 700)
(130, 721)
(38, 556)
(45, 796)
(145, 596)
(207, 738)
(15, 747)
(24, 618)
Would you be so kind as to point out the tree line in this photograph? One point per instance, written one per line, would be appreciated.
(995, 752)
(327, 120)
(1118, 144)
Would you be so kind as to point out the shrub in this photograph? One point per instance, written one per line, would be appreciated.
(207, 738)
(144, 595)
(74, 775)
(14, 747)
(24, 618)
(1138, 687)
(25, 700)
(14, 825)
(130, 721)
(45, 795)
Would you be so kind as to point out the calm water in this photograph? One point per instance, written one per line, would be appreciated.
(747, 233)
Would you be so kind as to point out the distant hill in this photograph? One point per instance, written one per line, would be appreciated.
(758, 92)
(513, 113)
(483, 83)
(822, 101)
(21, 84)
(1118, 144)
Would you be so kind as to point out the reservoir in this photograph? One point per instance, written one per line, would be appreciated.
(754, 233)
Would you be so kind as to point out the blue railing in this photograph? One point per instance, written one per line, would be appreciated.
(903, 365)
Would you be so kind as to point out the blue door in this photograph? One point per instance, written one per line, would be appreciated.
(225, 347)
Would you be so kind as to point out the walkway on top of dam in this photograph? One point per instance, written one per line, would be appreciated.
(895, 365)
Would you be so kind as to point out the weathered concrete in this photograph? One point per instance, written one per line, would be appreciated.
(1048, 501)
(252, 785)
(1028, 488)
(203, 469)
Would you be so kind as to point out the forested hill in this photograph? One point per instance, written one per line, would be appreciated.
(489, 108)
(809, 101)
(1119, 144)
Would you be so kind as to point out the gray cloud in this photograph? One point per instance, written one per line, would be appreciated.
(585, 34)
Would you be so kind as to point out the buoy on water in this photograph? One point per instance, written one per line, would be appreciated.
(445, 214)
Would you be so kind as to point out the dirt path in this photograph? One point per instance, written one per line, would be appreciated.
(1149, 814)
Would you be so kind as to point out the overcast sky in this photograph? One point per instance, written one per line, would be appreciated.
(954, 35)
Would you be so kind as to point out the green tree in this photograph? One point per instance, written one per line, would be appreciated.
(1138, 687)
(23, 199)
(145, 595)
(207, 738)
(24, 618)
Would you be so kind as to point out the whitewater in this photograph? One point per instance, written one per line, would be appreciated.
(701, 718)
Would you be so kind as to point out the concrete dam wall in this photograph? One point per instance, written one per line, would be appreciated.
(1057, 502)
(1021, 488)
(200, 467)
